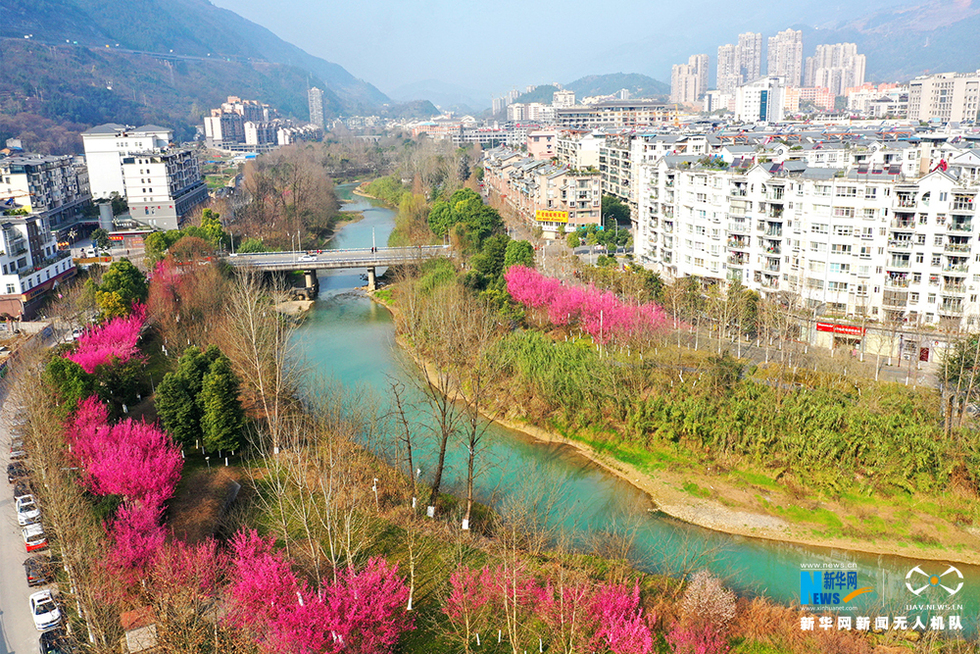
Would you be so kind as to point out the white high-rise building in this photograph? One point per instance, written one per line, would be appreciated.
(316, 107)
(945, 97)
(761, 100)
(729, 73)
(750, 55)
(105, 146)
(785, 56)
(837, 67)
(689, 81)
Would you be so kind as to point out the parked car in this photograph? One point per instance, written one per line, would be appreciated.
(18, 453)
(38, 570)
(44, 610)
(34, 538)
(56, 641)
(16, 470)
(28, 512)
(22, 489)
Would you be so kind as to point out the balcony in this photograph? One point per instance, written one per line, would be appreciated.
(906, 201)
(903, 223)
(775, 232)
(774, 249)
(963, 204)
(770, 282)
(738, 229)
(734, 260)
(897, 282)
(957, 247)
(953, 310)
(899, 264)
(668, 228)
(959, 269)
(954, 288)
(899, 245)
(960, 227)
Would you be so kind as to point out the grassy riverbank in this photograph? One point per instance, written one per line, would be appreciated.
(771, 498)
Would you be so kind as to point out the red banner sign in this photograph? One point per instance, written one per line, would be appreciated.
(849, 330)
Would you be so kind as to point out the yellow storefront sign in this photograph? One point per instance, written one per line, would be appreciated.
(544, 216)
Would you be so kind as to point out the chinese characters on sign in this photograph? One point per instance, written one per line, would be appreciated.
(881, 623)
(542, 215)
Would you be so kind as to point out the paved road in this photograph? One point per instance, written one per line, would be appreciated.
(17, 633)
(332, 259)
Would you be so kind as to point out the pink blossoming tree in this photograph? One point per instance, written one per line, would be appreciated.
(115, 340)
(363, 611)
(600, 314)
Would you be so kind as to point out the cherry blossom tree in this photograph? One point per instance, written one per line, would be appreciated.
(137, 535)
(469, 604)
(600, 314)
(363, 611)
(623, 628)
(115, 340)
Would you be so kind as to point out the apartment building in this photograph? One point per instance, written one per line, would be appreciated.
(837, 67)
(688, 82)
(556, 198)
(542, 143)
(616, 167)
(945, 97)
(579, 148)
(163, 186)
(316, 107)
(862, 240)
(225, 126)
(105, 145)
(728, 73)
(55, 188)
(614, 114)
(30, 263)
(750, 55)
(761, 100)
(785, 56)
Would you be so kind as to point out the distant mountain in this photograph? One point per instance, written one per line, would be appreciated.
(446, 96)
(933, 37)
(413, 109)
(639, 86)
(543, 94)
(161, 61)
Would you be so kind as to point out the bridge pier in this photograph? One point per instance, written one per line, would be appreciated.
(312, 283)
(372, 281)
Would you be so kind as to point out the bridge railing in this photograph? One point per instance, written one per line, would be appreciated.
(303, 253)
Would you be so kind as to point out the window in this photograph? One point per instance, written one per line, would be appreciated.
(840, 248)
(837, 286)
(821, 190)
(818, 247)
(843, 230)
(870, 214)
(817, 266)
(843, 212)
(846, 192)
(10, 289)
(931, 299)
(699, 262)
(869, 194)
(916, 278)
(923, 219)
(840, 268)
(867, 232)
(865, 252)
(914, 298)
(818, 228)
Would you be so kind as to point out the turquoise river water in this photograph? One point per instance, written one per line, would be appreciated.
(348, 337)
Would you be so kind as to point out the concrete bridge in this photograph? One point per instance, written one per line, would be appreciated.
(311, 261)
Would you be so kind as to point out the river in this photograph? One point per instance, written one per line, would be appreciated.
(350, 338)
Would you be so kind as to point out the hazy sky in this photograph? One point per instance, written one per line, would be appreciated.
(493, 46)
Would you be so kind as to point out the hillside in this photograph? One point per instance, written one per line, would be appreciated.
(932, 37)
(639, 86)
(160, 61)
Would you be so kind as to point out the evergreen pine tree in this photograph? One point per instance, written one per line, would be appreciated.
(222, 418)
